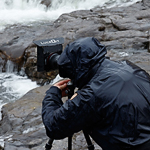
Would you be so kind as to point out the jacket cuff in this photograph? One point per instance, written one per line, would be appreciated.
(55, 91)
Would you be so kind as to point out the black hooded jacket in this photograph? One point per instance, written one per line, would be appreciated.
(112, 103)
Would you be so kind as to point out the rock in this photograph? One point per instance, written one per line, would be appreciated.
(47, 3)
(22, 120)
(1, 148)
(2, 62)
(15, 114)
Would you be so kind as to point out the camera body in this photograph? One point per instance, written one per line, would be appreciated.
(48, 52)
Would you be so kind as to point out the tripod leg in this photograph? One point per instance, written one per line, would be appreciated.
(70, 143)
(88, 140)
(48, 145)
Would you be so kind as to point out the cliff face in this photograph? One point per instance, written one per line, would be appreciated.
(124, 30)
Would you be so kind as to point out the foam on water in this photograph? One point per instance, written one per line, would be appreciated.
(16, 85)
(2, 139)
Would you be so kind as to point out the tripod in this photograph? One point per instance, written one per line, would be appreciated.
(48, 145)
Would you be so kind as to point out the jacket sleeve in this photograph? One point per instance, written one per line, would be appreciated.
(62, 120)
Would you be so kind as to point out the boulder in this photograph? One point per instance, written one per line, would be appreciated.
(47, 3)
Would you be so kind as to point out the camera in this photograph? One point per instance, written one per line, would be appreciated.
(48, 52)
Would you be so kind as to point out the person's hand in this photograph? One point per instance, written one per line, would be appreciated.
(62, 85)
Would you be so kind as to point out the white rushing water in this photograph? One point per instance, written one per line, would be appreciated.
(27, 11)
(13, 85)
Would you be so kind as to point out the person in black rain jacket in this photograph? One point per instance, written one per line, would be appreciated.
(112, 102)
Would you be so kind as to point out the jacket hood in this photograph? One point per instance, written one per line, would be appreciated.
(79, 57)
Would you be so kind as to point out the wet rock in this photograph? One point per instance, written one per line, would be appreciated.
(21, 120)
(3, 61)
(1, 148)
(47, 3)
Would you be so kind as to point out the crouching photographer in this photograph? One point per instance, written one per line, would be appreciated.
(112, 103)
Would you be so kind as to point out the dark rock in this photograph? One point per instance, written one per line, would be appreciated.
(22, 120)
(47, 3)
(3, 61)
(1, 148)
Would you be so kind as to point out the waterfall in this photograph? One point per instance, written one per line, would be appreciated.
(29, 11)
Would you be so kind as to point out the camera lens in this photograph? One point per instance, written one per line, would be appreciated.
(51, 63)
